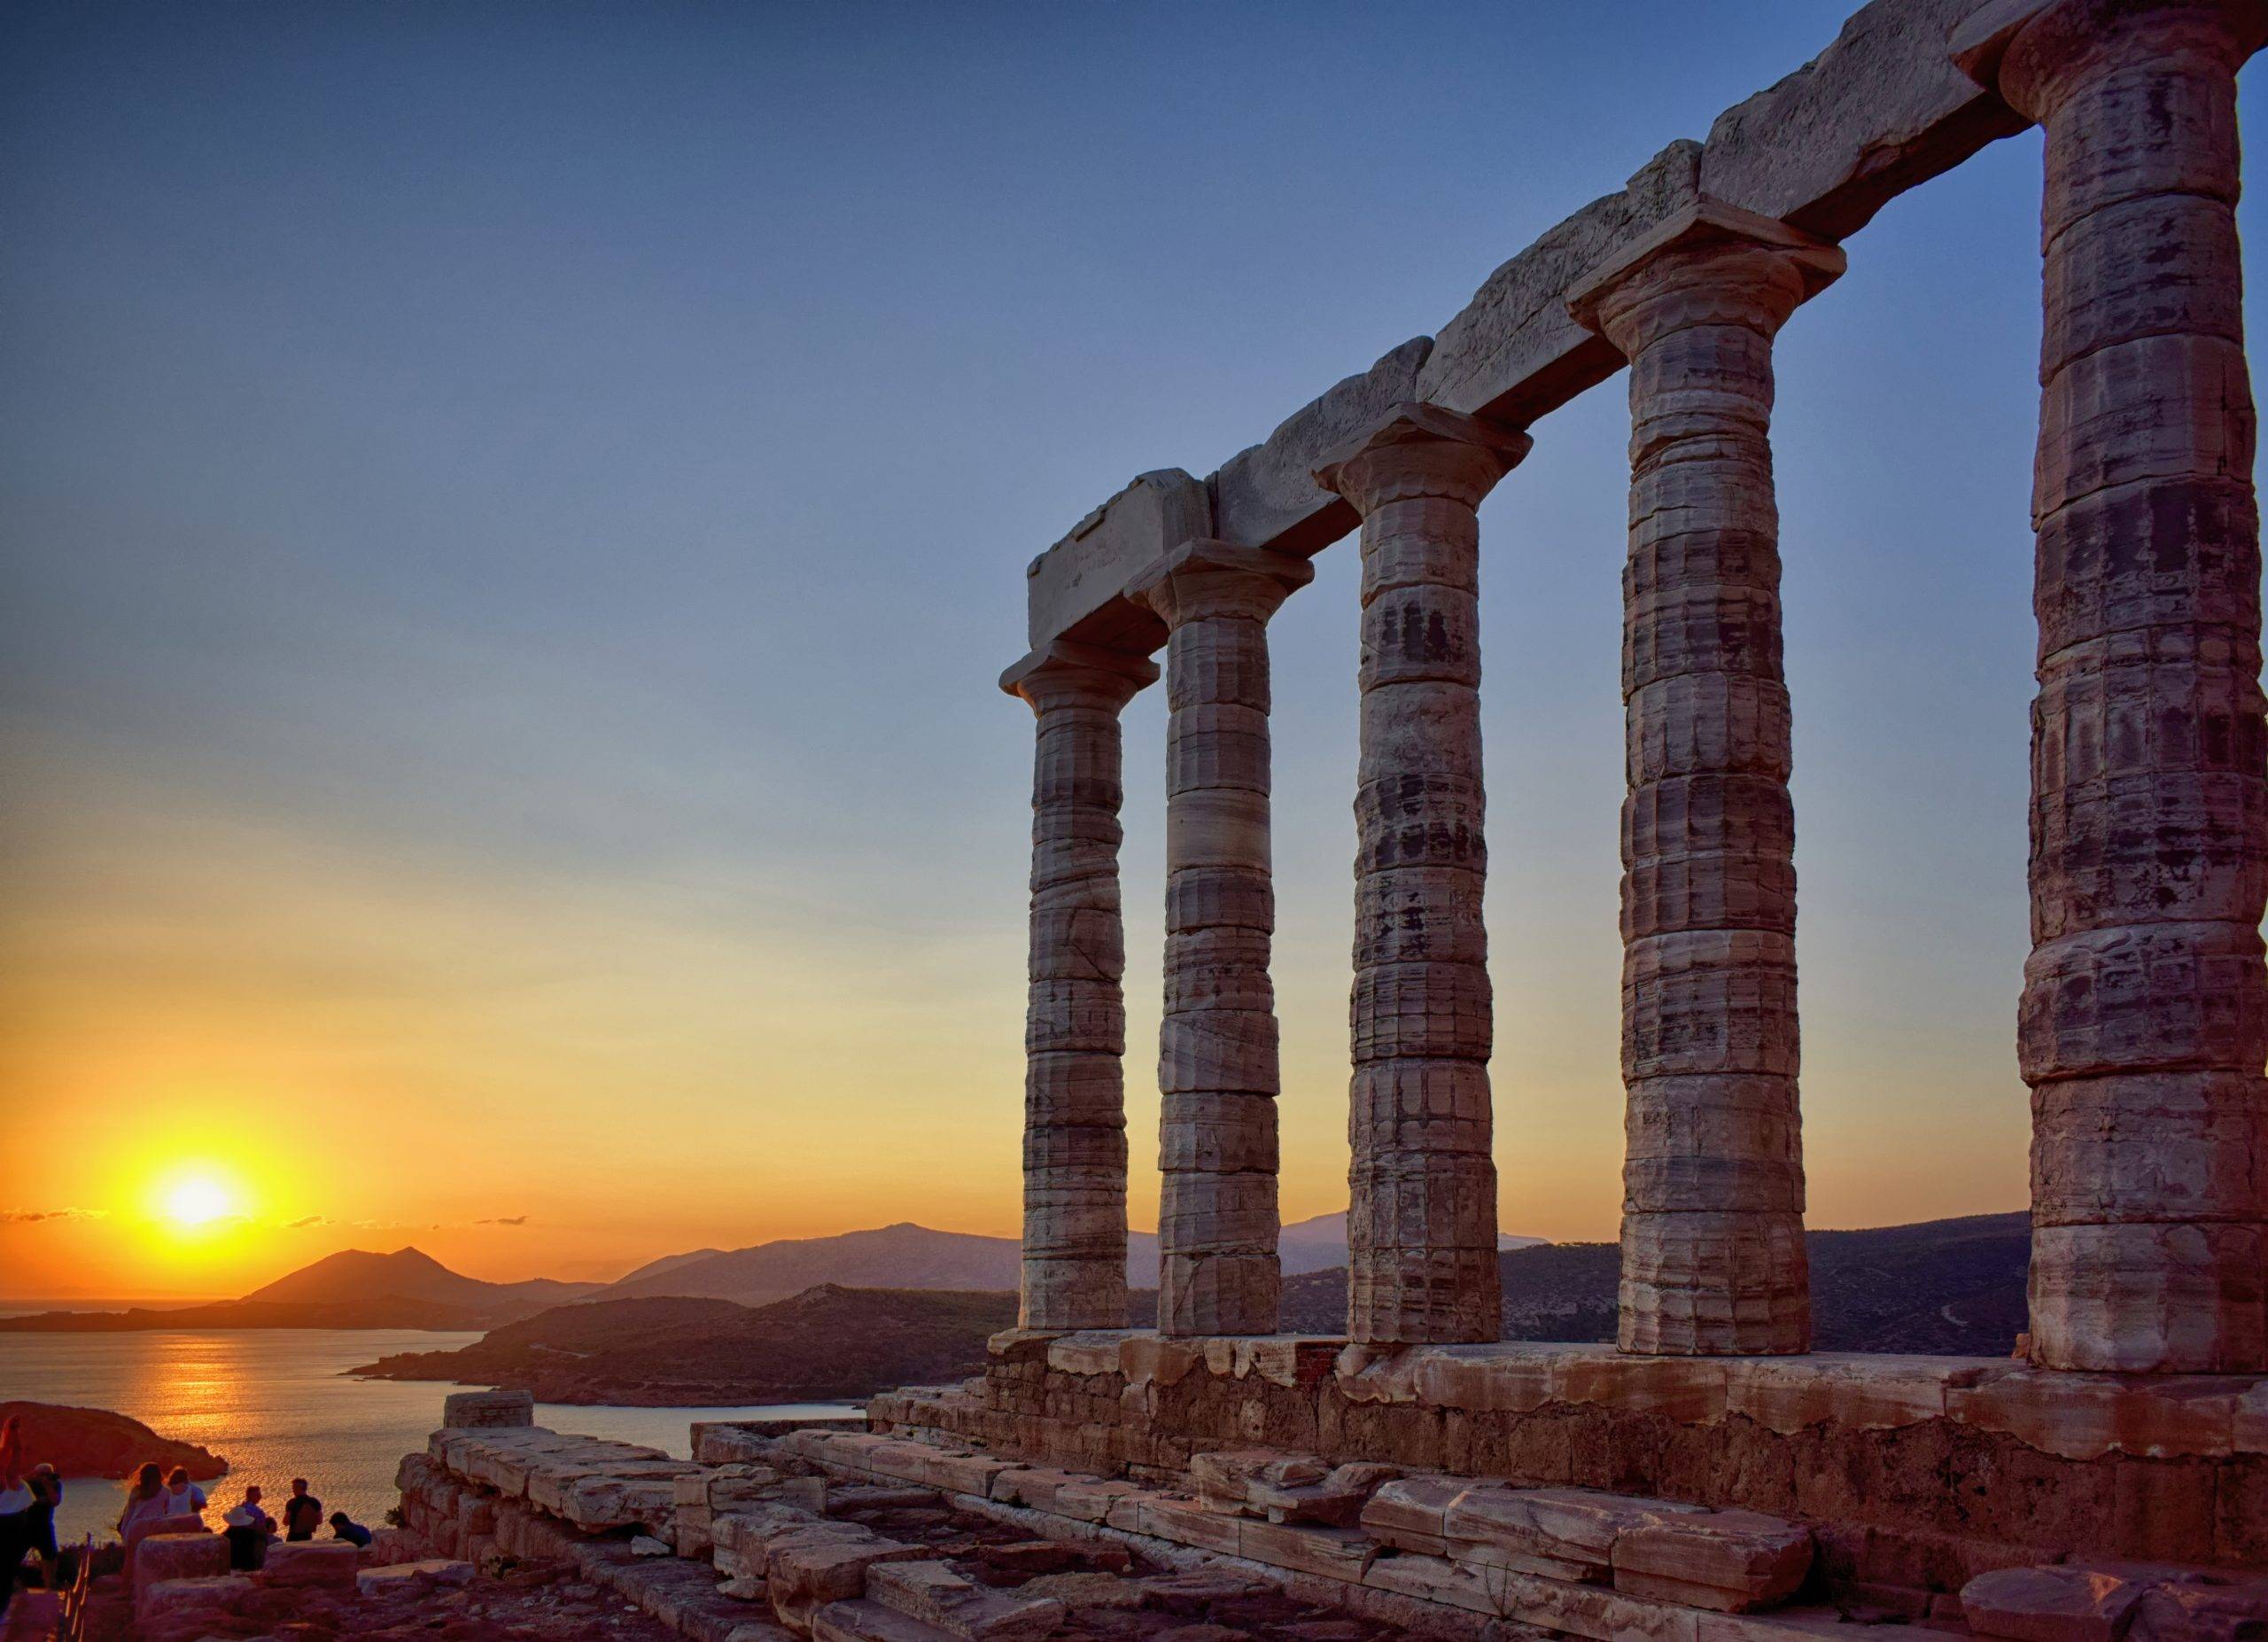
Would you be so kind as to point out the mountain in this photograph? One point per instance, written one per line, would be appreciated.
(1951, 1288)
(906, 1256)
(356, 1275)
(353, 1289)
(827, 1341)
(891, 1257)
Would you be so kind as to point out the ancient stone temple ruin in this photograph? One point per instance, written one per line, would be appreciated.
(1708, 1478)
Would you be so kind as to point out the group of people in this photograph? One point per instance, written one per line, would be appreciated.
(29, 1495)
(28, 1498)
(153, 1498)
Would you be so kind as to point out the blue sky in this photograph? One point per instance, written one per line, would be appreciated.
(512, 514)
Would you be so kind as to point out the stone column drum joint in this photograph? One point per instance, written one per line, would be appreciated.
(1075, 1029)
(2144, 1022)
(1713, 1262)
(1217, 1066)
(1421, 1222)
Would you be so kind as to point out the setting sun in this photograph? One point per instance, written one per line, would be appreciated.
(197, 1202)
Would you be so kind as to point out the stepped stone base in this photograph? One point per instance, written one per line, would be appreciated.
(1916, 1473)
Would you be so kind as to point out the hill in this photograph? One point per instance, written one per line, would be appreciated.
(827, 1341)
(353, 1289)
(94, 1441)
(1952, 1287)
(906, 1256)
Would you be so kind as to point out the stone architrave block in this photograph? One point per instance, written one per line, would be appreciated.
(805, 1572)
(932, 1592)
(1514, 352)
(1266, 496)
(1336, 1501)
(1881, 109)
(328, 1564)
(178, 1556)
(1073, 589)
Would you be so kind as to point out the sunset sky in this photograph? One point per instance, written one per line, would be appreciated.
(512, 515)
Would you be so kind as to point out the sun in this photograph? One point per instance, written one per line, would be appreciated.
(197, 1202)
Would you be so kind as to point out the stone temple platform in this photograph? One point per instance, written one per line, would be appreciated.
(1916, 1474)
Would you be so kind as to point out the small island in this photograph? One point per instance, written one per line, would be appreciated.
(95, 1442)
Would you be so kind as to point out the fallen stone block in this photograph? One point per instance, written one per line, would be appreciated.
(1189, 1594)
(1732, 1562)
(803, 1572)
(934, 1594)
(1337, 1500)
(172, 1603)
(1086, 1590)
(433, 1573)
(1409, 1513)
(721, 1444)
(869, 1621)
(327, 1564)
(1224, 1480)
(178, 1556)
(2202, 1609)
(2069, 1602)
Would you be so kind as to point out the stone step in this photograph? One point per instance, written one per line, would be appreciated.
(951, 1602)
(871, 1622)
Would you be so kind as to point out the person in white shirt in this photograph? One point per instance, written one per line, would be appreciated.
(182, 1497)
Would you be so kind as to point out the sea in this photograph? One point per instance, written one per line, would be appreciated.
(277, 1402)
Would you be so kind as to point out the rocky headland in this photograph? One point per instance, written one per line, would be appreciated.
(94, 1441)
(827, 1341)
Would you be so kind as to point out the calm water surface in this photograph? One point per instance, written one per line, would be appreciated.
(276, 1404)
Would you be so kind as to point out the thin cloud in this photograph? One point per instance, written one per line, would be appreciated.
(508, 1219)
(307, 1220)
(32, 1216)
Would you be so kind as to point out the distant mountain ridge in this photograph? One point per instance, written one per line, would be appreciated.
(409, 1273)
(906, 1256)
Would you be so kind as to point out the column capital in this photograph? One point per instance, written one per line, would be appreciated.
(1416, 449)
(1208, 578)
(1061, 673)
(1711, 263)
(2033, 52)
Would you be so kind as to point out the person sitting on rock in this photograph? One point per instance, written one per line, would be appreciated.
(343, 1526)
(302, 1511)
(248, 1530)
(145, 1503)
(183, 1498)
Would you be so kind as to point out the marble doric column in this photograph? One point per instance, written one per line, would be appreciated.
(1421, 1227)
(2145, 1014)
(1075, 1032)
(1218, 1272)
(1713, 1230)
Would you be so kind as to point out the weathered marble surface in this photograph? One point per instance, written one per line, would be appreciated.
(1217, 1222)
(2144, 1023)
(1421, 1230)
(1074, 1034)
(1712, 1239)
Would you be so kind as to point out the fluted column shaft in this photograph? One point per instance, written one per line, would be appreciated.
(1075, 1031)
(1217, 1071)
(1422, 1226)
(1713, 1236)
(2144, 1022)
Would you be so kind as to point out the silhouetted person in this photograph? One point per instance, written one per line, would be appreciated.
(30, 1527)
(302, 1511)
(249, 1530)
(343, 1526)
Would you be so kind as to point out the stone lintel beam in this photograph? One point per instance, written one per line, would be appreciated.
(1217, 1066)
(1074, 1027)
(1880, 111)
(1714, 1259)
(1421, 1224)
